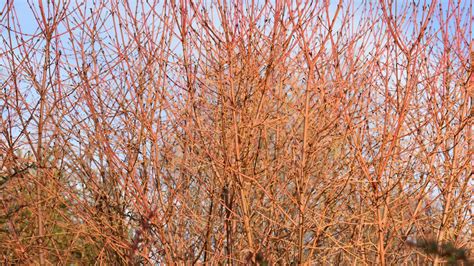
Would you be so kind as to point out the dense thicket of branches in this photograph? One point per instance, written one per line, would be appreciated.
(234, 131)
